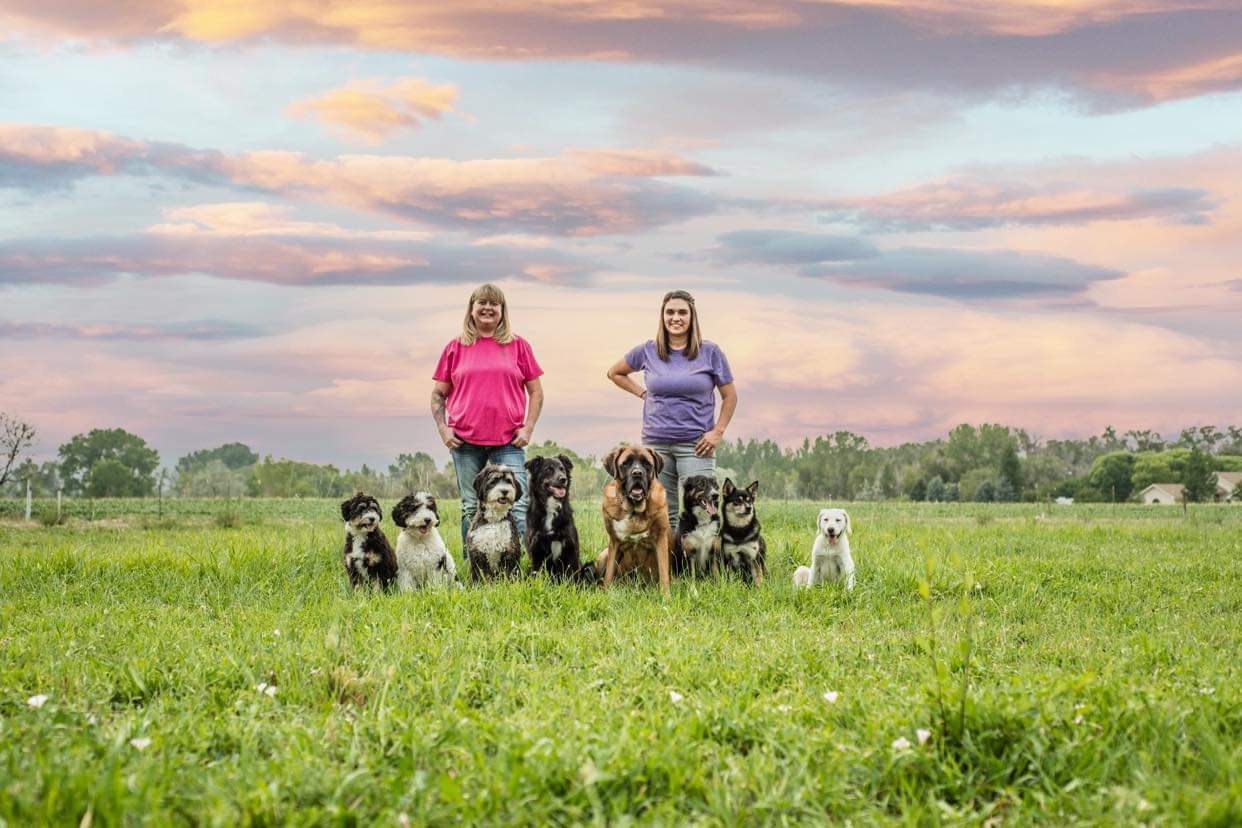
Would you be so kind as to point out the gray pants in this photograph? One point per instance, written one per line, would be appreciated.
(680, 462)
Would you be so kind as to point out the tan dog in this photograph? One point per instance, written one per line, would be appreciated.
(635, 516)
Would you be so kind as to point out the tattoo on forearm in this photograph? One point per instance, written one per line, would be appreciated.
(437, 407)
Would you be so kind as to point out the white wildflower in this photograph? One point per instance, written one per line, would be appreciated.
(901, 743)
(37, 701)
(140, 743)
(831, 696)
(922, 734)
(675, 697)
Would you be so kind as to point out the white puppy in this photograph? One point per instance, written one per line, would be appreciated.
(830, 556)
(422, 558)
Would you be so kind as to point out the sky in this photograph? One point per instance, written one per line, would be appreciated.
(225, 221)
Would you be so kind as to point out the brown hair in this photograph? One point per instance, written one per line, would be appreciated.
(470, 332)
(693, 338)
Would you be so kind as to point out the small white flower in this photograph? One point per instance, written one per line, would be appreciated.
(1206, 691)
(831, 696)
(276, 633)
(1078, 719)
(268, 689)
(922, 734)
(783, 708)
(675, 697)
(140, 743)
(37, 701)
(901, 743)
(91, 718)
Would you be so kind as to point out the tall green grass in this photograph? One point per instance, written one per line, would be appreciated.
(1067, 666)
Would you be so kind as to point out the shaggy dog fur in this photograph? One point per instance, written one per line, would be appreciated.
(422, 558)
(493, 547)
(830, 555)
(741, 544)
(696, 549)
(368, 557)
(551, 536)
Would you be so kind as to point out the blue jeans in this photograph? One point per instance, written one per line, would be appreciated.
(468, 459)
(680, 462)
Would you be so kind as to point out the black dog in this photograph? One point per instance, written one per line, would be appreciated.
(551, 536)
(369, 558)
(696, 549)
(493, 547)
(741, 545)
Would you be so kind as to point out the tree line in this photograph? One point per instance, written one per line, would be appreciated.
(989, 462)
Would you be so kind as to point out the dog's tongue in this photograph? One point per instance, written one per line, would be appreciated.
(559, 491)
(636, 492)
(711, 508)
(422, 530)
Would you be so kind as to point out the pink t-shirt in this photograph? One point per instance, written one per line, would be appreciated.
(487, 400)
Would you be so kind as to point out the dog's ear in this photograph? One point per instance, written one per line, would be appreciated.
(568, 464)
(657, 460)
(431, 504)
(532, 464)
(398, 512)
(345, 509)
(517, 485)
(753, 489)
(728, 487)
(610, 461)
(848, 525)
(480, 480)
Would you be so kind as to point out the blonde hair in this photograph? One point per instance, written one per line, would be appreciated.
(693, 338)
(470, 332)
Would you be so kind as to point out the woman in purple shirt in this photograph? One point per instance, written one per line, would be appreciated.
(682, 372)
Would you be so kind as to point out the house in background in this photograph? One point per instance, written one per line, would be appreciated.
(1228, 486)
(1167, 493)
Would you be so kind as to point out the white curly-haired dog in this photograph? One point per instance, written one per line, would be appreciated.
(830, 556)
(422, 558)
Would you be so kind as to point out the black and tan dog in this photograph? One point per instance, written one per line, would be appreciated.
(741, 545)
(369, 558)
(493, 546)
(551, 535)
(635, 516)
(696, 549)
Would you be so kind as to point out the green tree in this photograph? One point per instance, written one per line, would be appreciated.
(1199, 481)
(79, 456)
(232, 455)
(985, 493)
(936, 490)
(1111, 475)
(110, 477)
(1011, 472)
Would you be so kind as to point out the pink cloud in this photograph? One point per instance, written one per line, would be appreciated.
(374, 109)
(1117, 52)
(581, 193)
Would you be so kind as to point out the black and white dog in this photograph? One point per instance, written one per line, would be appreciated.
(422, 558)
(741, 545)
(368, 557)
(696, 549)
(551, 536)
(493, 547)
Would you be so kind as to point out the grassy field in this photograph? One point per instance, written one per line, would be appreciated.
(1002, 664)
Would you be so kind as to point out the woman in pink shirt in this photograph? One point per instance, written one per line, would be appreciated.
(486, 399)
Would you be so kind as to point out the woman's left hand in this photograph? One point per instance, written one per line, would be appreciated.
(521, 438)
(706, 446)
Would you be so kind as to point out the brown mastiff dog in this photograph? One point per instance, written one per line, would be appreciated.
(635, 516)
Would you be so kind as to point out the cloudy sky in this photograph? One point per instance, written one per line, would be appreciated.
(229, 221)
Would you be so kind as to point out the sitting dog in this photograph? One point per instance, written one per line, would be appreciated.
(422, 558)
(493, 547)
(635, 516)
(369, 559)
(741, 545)
(696, 549)
(551, 536)
(830, 555)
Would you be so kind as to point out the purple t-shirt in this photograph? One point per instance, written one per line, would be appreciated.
(680, 404)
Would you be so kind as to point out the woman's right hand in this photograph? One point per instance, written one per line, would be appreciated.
(449, 438)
